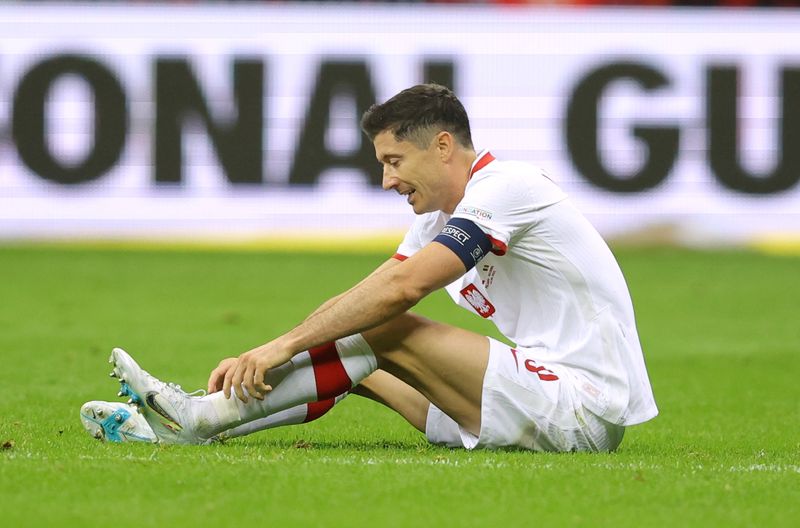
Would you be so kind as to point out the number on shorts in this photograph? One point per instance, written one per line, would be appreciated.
(544, 373)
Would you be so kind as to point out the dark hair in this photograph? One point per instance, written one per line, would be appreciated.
(417, 114)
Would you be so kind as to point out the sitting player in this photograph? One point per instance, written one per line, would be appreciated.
(507, 245)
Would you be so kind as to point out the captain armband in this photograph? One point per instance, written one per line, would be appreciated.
(464, 238)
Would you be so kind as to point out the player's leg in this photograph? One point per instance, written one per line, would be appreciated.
(444, 363)
(529, 403)
(318, 374)
(382, 387)
(379, 386)
(121, 422)
(299, 414)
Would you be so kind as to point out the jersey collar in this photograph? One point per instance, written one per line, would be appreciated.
(484, 158)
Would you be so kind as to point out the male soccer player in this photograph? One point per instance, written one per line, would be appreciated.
(506, 244)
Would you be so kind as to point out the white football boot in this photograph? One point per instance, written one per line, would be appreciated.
(166, 408)
(115, 422)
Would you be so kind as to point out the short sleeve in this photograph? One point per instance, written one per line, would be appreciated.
(504, 202)
(420, 234)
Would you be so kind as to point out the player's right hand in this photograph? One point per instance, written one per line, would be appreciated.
(217, 377)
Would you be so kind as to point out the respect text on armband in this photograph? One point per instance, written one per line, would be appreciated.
(459, 235)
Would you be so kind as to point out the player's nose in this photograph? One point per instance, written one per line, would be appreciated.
(389, 181)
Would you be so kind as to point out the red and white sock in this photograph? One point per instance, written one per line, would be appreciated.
(299, 414)
(318, 374)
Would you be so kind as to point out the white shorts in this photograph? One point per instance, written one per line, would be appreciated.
(527, 405)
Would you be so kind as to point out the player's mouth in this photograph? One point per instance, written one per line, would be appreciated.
(408, 194)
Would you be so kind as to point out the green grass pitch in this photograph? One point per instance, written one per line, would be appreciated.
(720, 330)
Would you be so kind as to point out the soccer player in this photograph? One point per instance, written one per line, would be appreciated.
(508, 245)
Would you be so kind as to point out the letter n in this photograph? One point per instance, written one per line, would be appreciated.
(237, 139)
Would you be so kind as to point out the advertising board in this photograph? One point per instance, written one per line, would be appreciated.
(242, 121)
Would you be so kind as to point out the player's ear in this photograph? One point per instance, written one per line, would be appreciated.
(445, 144)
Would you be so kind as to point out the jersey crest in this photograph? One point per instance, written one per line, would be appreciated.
(476, 299)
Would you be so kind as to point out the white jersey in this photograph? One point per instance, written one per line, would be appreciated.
(550, 284)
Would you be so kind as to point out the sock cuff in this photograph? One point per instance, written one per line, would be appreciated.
(355, 346)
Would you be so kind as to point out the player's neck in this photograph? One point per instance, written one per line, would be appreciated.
(470, 156)
(461, 172)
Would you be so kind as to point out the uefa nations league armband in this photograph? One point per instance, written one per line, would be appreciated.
(464, 238)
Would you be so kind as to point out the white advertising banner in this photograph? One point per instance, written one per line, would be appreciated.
(242, 121)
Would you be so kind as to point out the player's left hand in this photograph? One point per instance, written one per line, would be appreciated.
(246, 378)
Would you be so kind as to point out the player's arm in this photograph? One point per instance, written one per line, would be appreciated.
(217, 376)
(381, 296)
(374, 301)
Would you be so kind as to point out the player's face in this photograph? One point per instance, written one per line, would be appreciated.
(415, 173)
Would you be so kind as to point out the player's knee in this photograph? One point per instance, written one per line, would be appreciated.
(393, 336)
